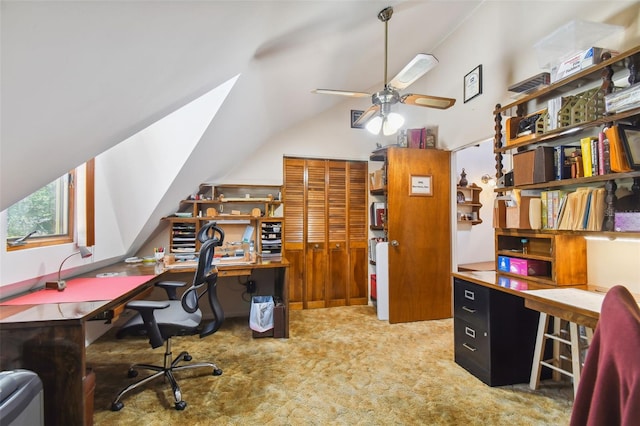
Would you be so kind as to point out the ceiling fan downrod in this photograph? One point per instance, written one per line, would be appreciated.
(384, 16)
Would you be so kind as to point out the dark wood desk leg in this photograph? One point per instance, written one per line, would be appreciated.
(282, 289)
(56, 352)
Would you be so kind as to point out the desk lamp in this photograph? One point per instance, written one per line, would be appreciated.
(61, 284)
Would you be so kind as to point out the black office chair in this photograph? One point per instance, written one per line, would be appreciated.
(161, 320)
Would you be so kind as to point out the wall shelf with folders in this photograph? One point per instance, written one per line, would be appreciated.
(570, 163)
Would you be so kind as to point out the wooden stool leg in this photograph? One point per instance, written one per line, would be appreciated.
(557, 331)
(538, 353)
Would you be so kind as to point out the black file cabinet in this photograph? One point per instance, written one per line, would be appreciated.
(494, 334)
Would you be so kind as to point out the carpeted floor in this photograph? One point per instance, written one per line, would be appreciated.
(340, 366)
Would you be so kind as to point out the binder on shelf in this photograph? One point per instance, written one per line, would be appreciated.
(617, 156)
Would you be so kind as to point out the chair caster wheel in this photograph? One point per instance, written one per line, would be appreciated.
(187, 357)
(117, 406)
(181, 405)
(132, 373)
(217, 372)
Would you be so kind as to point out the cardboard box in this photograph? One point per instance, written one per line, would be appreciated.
(376, 180)
(527, 267)
(499, 214)
(518, 217)
(580, 61)
(503, 263)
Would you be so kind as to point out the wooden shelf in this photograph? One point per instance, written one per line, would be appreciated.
(574, 81)
(568, 130)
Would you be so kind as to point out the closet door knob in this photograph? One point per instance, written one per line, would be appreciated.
(395, 243)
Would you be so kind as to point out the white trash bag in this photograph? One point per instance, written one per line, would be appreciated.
(261, 315)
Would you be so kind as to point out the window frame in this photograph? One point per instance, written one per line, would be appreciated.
(69, 237)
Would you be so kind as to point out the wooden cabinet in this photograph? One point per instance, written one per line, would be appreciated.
(468, 204)
(539, 171)
(563, 256)
(494, 334)
(326, 239)
(234, 207)
(418, 228)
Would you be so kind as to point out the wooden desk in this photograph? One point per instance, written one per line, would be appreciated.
(571, 304)
(281, 285)
(49, 339)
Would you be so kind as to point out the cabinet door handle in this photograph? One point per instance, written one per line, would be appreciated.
(470, 332)
(471, 311)
(395, 243)
(471, 348)
(337, 245)
(316, 246)
(468, 294)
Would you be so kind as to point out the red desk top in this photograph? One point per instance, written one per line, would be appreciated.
(83, 290)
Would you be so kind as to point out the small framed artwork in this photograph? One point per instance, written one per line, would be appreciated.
(460, 197)
(420, 185)
(630, 138)
(355, 115)
(473, 84)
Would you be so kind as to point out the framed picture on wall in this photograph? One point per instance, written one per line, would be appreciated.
(472, 84)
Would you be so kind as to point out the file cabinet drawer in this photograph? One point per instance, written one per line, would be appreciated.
(494, 334)
(471, 303)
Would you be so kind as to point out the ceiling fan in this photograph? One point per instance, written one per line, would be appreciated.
(382, 101)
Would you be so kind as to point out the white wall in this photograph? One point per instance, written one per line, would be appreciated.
(506, 52)
(475, 243)
(126, 194)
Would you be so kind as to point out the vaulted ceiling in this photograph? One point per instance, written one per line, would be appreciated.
(80, 77)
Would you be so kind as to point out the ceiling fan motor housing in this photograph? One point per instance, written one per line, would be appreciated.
(387, 96)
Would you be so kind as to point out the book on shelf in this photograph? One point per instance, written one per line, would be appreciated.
(563, 159)
(587, 159)
(617, 156)
(377, 212)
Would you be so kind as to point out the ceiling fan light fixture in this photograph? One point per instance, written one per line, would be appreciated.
(392, 123)
(374, 125)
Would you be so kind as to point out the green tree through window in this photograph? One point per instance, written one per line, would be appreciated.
(46, 211)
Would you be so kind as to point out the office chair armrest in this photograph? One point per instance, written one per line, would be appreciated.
(146, 308)
(171, 288)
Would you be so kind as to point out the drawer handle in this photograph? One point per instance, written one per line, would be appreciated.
(471, 348)
(468, 294)
(471, 311)
(470, 332)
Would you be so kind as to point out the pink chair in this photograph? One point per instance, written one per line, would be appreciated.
(609, 388)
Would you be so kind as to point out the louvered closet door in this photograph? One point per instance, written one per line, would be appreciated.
(316, 231)
(337, 234)
(293, 196)
(357, 233)
(326, 232)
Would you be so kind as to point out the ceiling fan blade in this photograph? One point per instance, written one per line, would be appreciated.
(415, 69)
(427, 101)
(366, 116)
(341, 93)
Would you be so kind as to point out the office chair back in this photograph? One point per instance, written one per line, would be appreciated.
(210, 231)
(205, 279)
